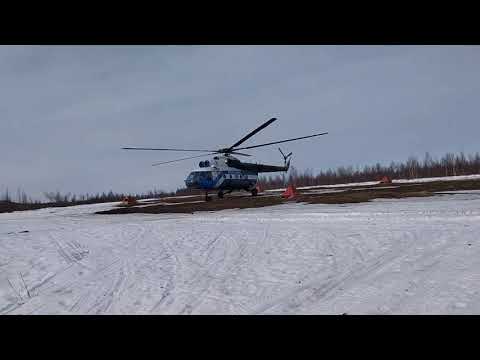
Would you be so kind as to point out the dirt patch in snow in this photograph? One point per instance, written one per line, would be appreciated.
(351, 195)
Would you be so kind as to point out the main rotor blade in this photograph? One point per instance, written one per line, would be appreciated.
(239, 153)
(187, 158)
(137, 148)
(249, 135)
(279, 142)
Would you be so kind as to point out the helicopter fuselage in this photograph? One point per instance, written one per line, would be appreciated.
(217, 175)
(206, 179)
(227, 173)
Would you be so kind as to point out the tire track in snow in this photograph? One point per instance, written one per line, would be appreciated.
(205, 276)
(315, 291)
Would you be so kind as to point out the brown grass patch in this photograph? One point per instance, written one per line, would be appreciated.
(350, 195)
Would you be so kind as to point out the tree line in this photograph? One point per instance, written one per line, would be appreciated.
(448, 165)
(59, 198)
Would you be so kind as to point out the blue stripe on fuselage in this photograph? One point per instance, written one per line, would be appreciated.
(236, 183)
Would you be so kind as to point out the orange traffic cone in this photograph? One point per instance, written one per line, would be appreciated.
(385, 180)
(290, 192)
(129, 200)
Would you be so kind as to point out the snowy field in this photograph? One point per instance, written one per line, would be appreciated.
(408, 256)
(395, 181)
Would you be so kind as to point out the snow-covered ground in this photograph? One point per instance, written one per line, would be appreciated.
(444, 178)
(397, 181)
(413, 255)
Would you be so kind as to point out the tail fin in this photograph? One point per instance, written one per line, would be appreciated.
(287, 165)
(286, 159)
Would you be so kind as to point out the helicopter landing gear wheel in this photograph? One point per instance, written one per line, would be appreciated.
(254, 192)
(220, 194)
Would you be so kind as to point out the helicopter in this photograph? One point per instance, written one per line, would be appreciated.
(225, 173)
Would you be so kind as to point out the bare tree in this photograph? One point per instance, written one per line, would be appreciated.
(449, 164)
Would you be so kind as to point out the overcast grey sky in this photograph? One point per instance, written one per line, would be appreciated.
(67, 110)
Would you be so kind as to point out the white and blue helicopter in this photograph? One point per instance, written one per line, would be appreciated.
(225, 173)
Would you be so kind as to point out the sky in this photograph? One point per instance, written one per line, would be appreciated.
(66, 111)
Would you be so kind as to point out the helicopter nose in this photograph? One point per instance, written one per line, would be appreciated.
(190, 181)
